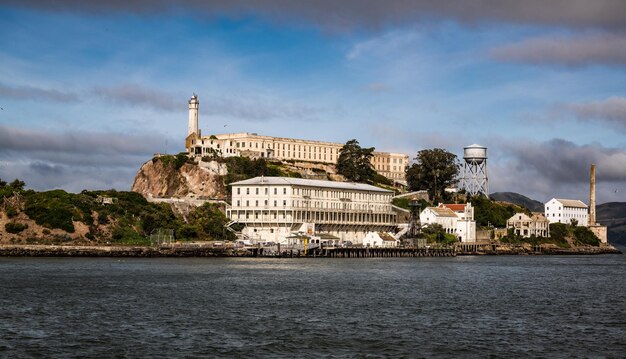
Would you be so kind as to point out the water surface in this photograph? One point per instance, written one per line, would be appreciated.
(506, 306)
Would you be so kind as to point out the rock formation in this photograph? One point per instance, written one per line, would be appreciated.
(159, 178)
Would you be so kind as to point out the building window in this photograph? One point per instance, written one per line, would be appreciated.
(284, 190)
(256, 203)
(247, 203)
(257, 190)
(238, 203)
(238, 190)
(284, 203)
(247, 190)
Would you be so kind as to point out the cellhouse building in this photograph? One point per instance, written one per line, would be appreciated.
(274, 209)
(252, 145)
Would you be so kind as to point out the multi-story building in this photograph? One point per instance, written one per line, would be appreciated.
(457, 219)
(565, 211)
(275, 208)
(390, 165)
(526, 226)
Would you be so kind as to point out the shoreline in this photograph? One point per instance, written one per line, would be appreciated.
(38, 250)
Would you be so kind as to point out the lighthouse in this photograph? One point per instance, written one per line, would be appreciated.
(193, 115)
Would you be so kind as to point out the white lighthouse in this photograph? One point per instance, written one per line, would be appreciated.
(193, 115)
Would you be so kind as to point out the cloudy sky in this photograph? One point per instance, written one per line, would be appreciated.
(90, 90)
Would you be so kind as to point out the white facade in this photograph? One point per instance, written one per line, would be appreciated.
(390, 165)
(456, 219)
(380, 240)
(565, 210)
(526, 226)
(275, 208)
(192, 127)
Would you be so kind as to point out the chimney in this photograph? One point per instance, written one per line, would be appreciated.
(592, 196)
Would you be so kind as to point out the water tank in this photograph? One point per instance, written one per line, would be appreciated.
(475, 154)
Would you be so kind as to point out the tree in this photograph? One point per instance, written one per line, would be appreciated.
(434, 170)
(354, 162)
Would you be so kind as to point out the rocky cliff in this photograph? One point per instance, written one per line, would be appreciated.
(163, 177)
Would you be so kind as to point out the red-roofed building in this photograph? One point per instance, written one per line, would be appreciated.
(457, 219)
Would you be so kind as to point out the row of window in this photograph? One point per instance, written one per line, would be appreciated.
(382, 168)
(266, 190)
(576, 209)
(381, 159)
(324, 216)
(317, 193)
(317, 204)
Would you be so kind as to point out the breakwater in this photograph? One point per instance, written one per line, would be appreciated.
(329, 252)
(119, 251)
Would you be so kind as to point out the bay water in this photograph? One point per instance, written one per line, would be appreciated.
(474, 306)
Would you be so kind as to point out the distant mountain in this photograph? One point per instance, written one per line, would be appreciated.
(518, 199)
(613, 215)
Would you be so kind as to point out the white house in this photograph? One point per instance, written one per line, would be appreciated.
(536, 225)
(380, 239)
(275, 208)
(565, 210)
(456, 219)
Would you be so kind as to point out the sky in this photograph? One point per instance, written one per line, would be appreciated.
(91, 90)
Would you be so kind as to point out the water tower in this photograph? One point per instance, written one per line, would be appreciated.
(474, 179)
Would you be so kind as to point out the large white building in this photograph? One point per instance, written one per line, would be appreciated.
(565, 210)
(272, 209)
(456, 219)
(390, 165)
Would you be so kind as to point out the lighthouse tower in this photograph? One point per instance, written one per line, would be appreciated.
(193, 115)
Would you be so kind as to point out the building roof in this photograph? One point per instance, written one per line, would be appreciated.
(536, 217)
(386, 237)
(442, 211)
(539, 217)
(290, 181)
(572, 203)
(455, 207)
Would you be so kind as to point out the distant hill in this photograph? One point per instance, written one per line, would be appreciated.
(613, 214)
(518, 199)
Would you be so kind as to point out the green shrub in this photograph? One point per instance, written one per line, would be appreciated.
(11, 212)
(127, 235)
(180, 160)
(402, 202)
(187, 231)
(14, 227)
(488, 212)
(584, 235)
(52, 209)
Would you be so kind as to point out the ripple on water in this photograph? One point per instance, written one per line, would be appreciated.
(398, 307)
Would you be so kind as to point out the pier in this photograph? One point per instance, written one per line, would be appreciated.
(360, 252)
(354, 252)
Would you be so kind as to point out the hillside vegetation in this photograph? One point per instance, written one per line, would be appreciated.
(61, 217)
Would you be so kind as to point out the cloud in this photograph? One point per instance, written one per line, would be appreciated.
(36, 93)
(134, 95)
(370, 13)
(597, 49)
(612, 111)
(556, 168)
(77, 143)
(74, 160)
(257, 108)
